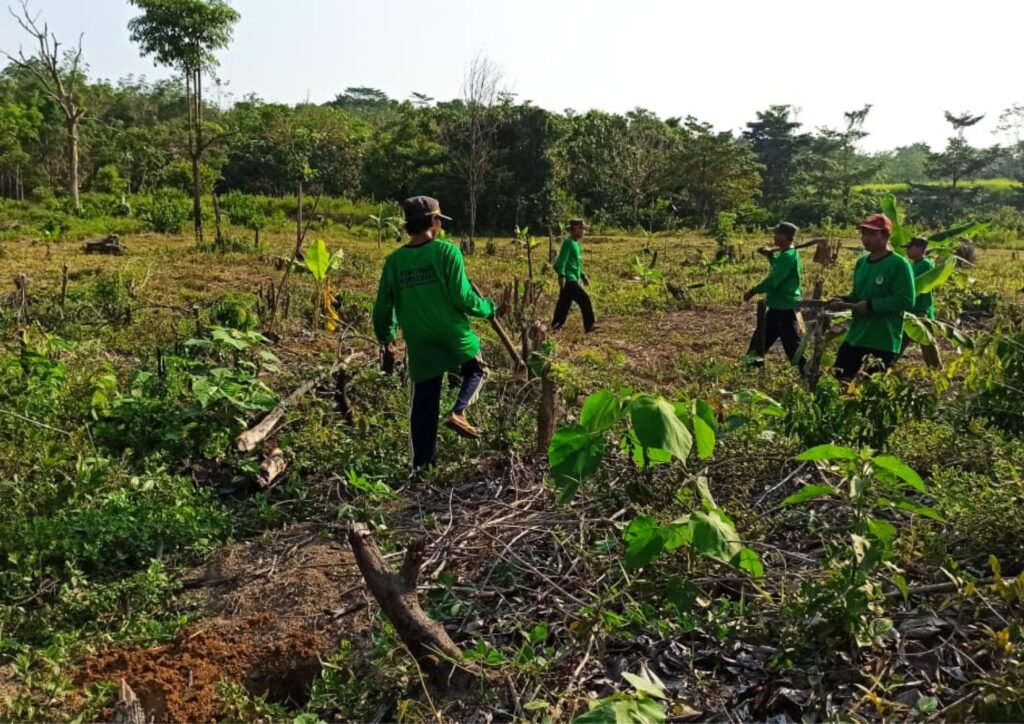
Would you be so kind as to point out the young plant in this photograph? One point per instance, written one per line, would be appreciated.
(390, 225)
(643, 705)
(320, 264)
(650, 429)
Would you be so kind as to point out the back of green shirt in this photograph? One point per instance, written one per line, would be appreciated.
(781, 288)
(426, 289)
(888, 285)
(924, 305)
(569, 263)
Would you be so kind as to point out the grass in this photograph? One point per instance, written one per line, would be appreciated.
(99, 530)
(991, 184)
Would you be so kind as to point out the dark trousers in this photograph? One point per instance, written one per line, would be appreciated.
(573, 292)
(850, 359)
(426, 406)
(775, 325)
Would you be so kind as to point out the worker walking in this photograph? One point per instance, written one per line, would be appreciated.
(883, 290)
(924, 304)
(424, 287)
(781, 289)
(569, 266)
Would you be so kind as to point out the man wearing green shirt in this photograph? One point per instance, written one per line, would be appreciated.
(569, 266)
(883, 290)
(424, 287)
(781, 289)
(924, 305)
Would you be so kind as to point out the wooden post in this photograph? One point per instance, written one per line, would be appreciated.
(63, 286)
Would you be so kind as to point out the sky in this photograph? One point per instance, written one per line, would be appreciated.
(718, 60)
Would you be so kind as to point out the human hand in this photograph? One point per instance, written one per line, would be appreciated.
(747, 296)
(586, 280)
(837, 304)
(859, 308)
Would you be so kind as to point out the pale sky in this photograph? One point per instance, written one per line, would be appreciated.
(720, 60)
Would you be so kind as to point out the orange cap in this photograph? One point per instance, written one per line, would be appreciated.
(877, 222)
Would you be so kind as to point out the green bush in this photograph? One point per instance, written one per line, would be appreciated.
(168, 211)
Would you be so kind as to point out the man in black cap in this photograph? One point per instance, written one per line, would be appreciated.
(569, 267)
(424, 285)
(782, 293)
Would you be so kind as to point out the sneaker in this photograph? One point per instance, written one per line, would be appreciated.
(462, 427)
(593, 328)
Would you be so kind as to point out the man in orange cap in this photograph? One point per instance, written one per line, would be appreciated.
(883, 290)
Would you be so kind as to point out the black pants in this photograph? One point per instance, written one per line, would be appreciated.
(850, 359)
(426, 406)
(778, 324)
(573, 292)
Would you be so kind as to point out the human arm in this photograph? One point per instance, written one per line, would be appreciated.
(384, 325)
(461, 292)
(782, 266)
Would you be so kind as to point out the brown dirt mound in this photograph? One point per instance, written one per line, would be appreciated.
(273, 607)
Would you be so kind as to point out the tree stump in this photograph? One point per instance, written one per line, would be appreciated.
(435, 653)
(128, 709)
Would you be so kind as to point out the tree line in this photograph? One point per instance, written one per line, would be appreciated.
(496, 160)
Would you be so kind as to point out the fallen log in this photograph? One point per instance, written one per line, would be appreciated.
(272, 467)
(250, 439)
(435, 653)
(107, 245)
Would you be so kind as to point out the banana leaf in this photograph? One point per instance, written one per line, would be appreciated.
(915, 328)
(900, 233)
(966, 230)
(935, 277)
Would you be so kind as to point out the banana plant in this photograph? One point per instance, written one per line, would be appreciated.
(392, 225)
(942, 243)
(320, 263)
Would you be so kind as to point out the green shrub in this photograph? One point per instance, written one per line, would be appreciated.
(168, 211)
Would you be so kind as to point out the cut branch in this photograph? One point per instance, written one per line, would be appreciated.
(428, 642)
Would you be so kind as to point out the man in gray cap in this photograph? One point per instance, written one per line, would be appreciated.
(569, 267)
(424, 287)
(781, 289)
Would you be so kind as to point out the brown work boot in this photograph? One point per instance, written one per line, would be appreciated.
(461, 425)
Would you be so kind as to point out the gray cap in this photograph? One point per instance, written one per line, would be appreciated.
(418, 207)
(787, 228)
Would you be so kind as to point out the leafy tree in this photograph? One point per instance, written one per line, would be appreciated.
(185, 34)
(838, 167)
(642, 158)
(713, 172)
(783, 152)
(959, 161)
(904, 164)
(61, 76)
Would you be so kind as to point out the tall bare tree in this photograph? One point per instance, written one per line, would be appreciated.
(471, 141)
(60, 75)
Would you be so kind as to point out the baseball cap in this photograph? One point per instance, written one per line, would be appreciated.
(876, 222)
(418, 207)
(577, 222)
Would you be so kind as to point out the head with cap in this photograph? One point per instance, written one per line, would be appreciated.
(875, 231)
(785, 232)
(916, 248)
(577, 228)
(423, 214)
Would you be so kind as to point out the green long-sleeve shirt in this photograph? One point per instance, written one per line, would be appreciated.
(781, 288)
(425, 289)
(887, 285)
(569, 263)
(924, 305)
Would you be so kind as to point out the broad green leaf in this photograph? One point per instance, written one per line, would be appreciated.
(644, 685)
(677, 534)
(644, 456)
(704, 434)
(935, 277)
(901, 583)
(656, 426)
(648, 711)
(714, 536)
(951, 333)
(318, 260)
(909, 506)
(706, 412)
(966, 230)
(704, 489)
(900, 233)
(539, 634)
(601, 411)
(883, 530)
(644, 542)
(809, 492)
(901, 470)
(574, 455)
(747, 560)
(916, 328)
(827, 452)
